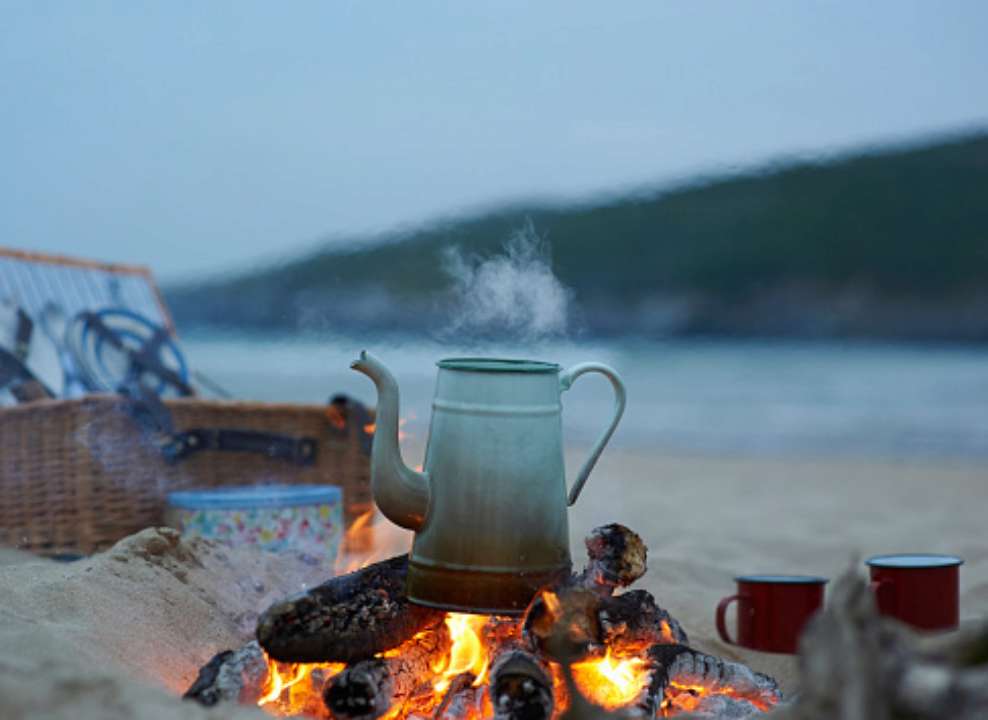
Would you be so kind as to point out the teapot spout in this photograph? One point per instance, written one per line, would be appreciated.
(401, 493)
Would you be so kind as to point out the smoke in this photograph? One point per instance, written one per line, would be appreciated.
(512, 295)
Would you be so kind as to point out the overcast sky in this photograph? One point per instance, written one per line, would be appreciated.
(201, 136)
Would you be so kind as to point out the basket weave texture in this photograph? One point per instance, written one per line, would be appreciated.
(78, 475)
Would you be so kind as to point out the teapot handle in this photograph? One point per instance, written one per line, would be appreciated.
(566, 379)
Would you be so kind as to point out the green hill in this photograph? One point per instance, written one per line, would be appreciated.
(893, 243)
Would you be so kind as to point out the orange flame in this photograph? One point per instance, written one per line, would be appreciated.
(278, 681)
(467, 653)
(682, 698)
(293, 689)
(348, 562)
(611, 682)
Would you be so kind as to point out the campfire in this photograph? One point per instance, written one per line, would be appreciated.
(355, 648)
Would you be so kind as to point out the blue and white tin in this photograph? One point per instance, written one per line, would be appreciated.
(279, 518)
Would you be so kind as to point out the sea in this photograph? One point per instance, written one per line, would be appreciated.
(711, 397)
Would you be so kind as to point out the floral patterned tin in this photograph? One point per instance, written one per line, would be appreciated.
(299, 518)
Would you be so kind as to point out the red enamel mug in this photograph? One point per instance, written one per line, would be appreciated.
(772, 610)
(920, 589)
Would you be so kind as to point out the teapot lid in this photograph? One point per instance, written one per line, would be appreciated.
(497, 365)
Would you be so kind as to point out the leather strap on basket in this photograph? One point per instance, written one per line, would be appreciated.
(299, 451)
(154, 419)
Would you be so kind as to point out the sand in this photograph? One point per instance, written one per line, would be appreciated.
(122, 634)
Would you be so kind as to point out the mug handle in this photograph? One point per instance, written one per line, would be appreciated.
(722, 618)
(566, 379)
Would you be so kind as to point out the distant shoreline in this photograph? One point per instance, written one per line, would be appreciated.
(776, 316)
(889, 245)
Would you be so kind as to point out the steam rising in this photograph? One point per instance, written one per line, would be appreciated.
(513, 294)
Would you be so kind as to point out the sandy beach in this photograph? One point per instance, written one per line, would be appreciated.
(122, 634)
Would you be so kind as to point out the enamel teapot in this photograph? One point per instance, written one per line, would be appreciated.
(489, 508)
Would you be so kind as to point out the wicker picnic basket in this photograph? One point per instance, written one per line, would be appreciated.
(78, 475)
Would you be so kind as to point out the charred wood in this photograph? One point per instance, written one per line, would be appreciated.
(649, 701)
(573, 623)
(681, 680)
(460, 699)
(369, 688)
(520, 686)
(634, 619)
(582, 617)
(698, 674)
(347, 618)
(617, 556)
(563, 623)
(232, 675)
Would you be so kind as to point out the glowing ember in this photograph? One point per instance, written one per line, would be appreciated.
(682, 698)
(610, 682)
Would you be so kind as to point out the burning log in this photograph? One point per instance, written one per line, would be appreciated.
(347, 618)
(635, 619)
(692, 676)
(460, 699)
(369, 688)
(563, 624)
(237, 675)
(589, 623)
(588, 617)
(520, 687)
(649, 701)
(681, 679)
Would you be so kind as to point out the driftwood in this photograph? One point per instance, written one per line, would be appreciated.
(369, 688)
(348, 618)
(520, 686)
(857, 665)
(232, 675)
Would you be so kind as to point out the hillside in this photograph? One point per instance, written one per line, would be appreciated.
(893, 243)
